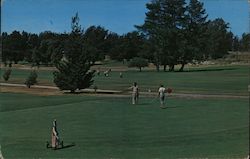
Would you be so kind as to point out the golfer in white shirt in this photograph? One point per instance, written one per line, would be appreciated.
(161, 94)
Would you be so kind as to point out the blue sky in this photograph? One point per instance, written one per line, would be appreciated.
(118, 16)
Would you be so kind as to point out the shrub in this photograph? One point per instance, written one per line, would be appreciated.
(31, 80)
(6, 74)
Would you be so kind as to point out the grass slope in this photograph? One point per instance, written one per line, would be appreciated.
(104, 127)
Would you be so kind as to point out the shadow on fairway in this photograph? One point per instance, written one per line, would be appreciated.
(66, 146)
(88, 92)
(150, 104)
(143, 104)
(208, 70)
(171, 107)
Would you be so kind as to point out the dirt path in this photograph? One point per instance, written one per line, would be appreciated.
(51, 90)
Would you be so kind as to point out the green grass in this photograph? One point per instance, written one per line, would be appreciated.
(110, 127)
(214, 80)
(207, 80)
(20, 75)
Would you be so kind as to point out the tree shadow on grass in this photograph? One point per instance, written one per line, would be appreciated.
(88, 92)
(209, 69)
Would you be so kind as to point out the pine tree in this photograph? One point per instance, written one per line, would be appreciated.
(193, 33)
(151, 29)
(162, 25)
(74, 71)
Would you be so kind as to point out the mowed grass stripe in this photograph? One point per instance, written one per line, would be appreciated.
(34, 102)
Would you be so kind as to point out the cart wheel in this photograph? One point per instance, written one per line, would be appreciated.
(47, 144)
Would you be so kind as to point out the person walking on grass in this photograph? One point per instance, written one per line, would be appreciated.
(161, 95)
(135, 93)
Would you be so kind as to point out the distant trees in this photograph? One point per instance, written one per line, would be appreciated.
(14, 47)
(94, 42)
(113, 45)
(42, 53)
(179, 33)
(46, 52)
(219, 40)
(138, 62)
(131, 45)
(235, 43)
(245, 42)
(173, 33)
(33, 43)
(74, 71)
(126, 46)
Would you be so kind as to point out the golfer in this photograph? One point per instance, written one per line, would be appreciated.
(54, 136)
(135, 93)
(161, 95)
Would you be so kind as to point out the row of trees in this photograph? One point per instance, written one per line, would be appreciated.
(46, 48)
(173, 33)
(179, 33)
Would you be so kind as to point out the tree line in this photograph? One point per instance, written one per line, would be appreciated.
(180, 33)
(174, 33)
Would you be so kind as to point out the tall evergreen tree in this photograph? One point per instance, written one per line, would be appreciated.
(162, 25)
(74, 71)
(194, 37)
(151, 28)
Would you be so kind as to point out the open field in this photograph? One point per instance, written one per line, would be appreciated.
(107, 127)
(205, 80)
